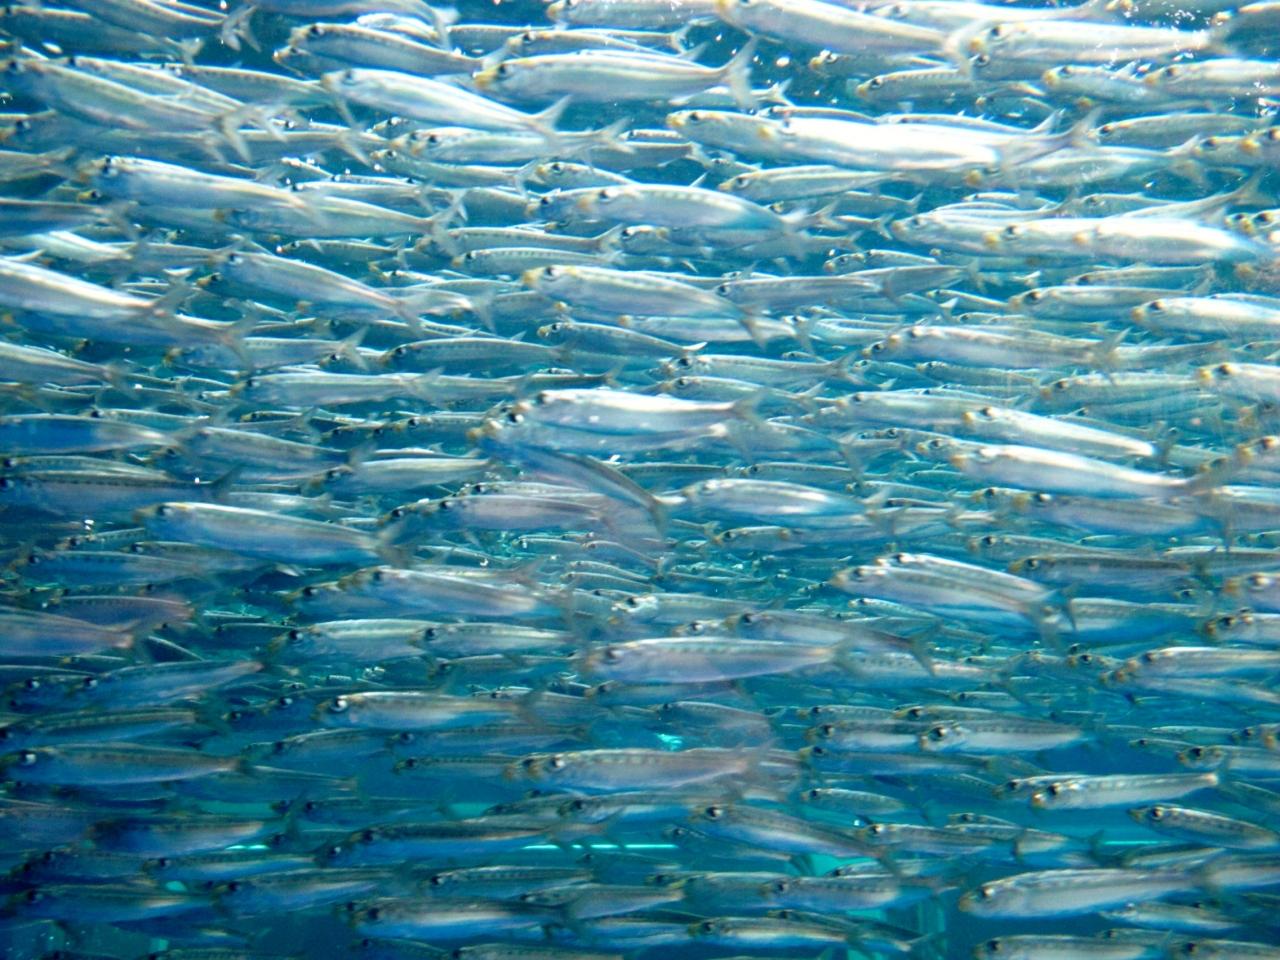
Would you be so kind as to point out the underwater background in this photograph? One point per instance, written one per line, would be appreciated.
(639, 479)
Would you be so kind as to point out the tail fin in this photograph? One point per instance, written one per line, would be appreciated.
(236, 28)
(544, 122)
(737, 75)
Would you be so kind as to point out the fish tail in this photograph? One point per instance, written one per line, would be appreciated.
(544, 121)
(737, 75)
(236, 28)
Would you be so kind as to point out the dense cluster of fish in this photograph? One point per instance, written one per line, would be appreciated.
(745, 478)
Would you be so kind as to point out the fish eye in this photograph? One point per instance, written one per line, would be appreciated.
(986, 891)
(612, 654)
(695, 116)
(714, 812)
(1155, 306)
(504, 70)
(556, 762)
(993, 946)
(607, 194)
(1012, 231)
(550, 273)
(339, 705)
(1065, 71)
(515, 418)
(1033, 296)
(27, 758)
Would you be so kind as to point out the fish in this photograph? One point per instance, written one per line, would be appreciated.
(748, 478)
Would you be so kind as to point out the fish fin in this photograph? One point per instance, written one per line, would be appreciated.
(544, 121)
(1103, 356)
(751, 324)
(747, 408)
(1250, 194)
(178, 293)
(1039, 144)
(609, 137)
(442, 18)
(957, 43)
(737, 75)
(607, 242)
(1211, 477)
(349, 347)
(1222, 33)
(776, 93)
(236, 28)
(232, 335)
(219, 488)
(228, 126)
